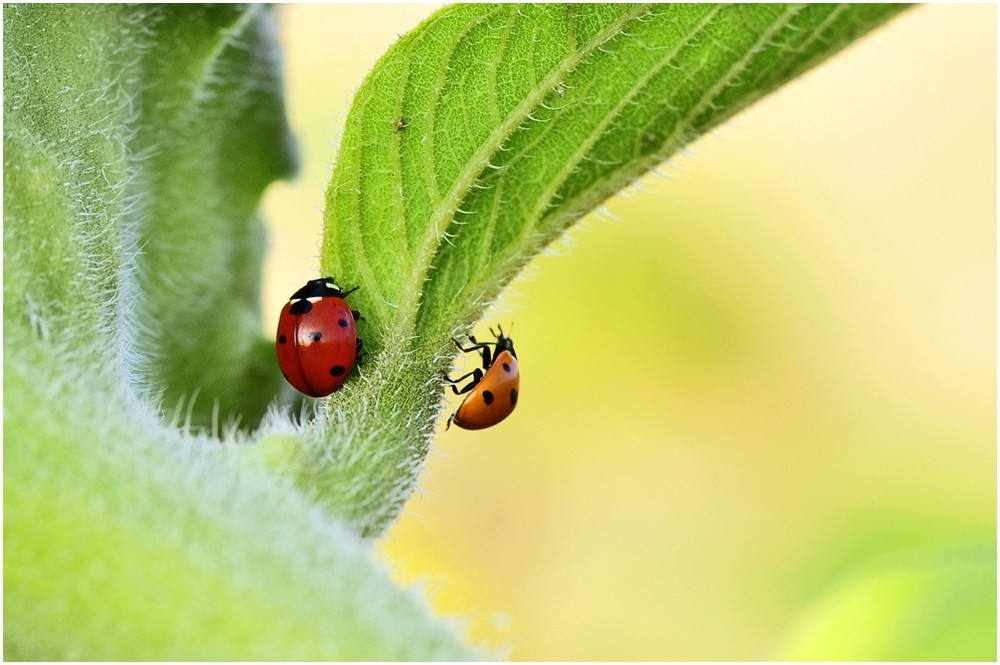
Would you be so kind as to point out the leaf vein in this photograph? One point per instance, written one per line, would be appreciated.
(588, 198)
(444, 212)
(595, 134)
(430, 170)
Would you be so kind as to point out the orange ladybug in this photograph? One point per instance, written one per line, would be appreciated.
(493, 388)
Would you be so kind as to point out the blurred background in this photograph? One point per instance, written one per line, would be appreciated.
(786, 447)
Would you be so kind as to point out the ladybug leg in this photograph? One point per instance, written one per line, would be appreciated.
(349, 292)
(448, 424)
(487, 356)
(476, 346)
(357, 315)
(476, 342)
(359, 353)
(477, 376)
(472, 384)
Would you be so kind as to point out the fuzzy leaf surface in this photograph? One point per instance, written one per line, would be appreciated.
(137, 140)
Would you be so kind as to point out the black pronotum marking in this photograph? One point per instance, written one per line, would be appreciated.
(320, 288)
(337, 370)
(513, 396)
(316, 336)
(300, 307)
(487, 397)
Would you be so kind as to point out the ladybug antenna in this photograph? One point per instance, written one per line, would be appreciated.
(501, 332)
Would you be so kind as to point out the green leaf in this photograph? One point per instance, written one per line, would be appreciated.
(137, 140)
(478, 139)
(212, 134)
(167, 143)
(521, 118)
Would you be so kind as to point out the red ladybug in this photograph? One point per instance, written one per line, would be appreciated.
(318, 338)
(493, 394)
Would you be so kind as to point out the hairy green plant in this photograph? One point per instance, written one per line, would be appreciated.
(137, 142)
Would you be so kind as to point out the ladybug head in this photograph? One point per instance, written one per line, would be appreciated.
(321, 288)
(504, 343)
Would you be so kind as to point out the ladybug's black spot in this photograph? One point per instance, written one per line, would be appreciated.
(342, 323)
(513, 396)
(300, 307)
(506, 367)
(282, 339)
(337, 370)
(487, 397)
(316, 336)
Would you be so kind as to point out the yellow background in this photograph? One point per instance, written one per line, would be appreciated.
(759, 371)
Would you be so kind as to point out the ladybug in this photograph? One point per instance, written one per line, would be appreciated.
(317, 338)
(492, 395)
